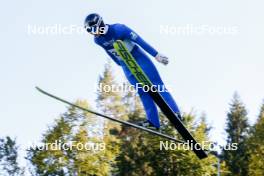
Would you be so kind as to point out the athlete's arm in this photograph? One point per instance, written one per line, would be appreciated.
(133, 36)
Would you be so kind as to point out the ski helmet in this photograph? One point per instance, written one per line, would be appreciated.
(93, 22)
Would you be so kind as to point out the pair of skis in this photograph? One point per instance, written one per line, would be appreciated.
(156, 96)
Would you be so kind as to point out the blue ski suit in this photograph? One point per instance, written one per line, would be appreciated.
(135, 44)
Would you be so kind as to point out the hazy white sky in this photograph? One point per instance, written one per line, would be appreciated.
(204, 71)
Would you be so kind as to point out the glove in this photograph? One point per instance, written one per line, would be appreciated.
(162, 59)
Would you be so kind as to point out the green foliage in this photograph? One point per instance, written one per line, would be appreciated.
(142, 154)
(70, 130)
(109, 102)
(237, 133)
(8, 157)
(256, 146)
(129, 151)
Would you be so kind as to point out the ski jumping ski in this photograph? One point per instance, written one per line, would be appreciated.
(111, 118)
(141, 77)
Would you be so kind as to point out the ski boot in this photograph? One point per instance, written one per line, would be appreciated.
(178, 114)
(147, 124)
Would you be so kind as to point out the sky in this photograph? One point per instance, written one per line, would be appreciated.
(219, 52)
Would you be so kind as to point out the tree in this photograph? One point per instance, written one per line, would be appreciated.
(47, 160)
(8, 157)
(109, 94)
(73, 153)
(256, 146)
(141, 153)
(111, 102)
(237, 128)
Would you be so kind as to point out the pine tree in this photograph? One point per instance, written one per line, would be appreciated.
(114, 104)
(185, 162)
(109, 100)
(237, 128)
(73, 131)
(53, 161)
(256, 146)
(141, 153)
(8, 157)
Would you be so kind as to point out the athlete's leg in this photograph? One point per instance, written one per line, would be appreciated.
(153, 74)
(150, 108)
(148, 104)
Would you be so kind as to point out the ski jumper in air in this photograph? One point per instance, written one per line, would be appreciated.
(106, 34)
